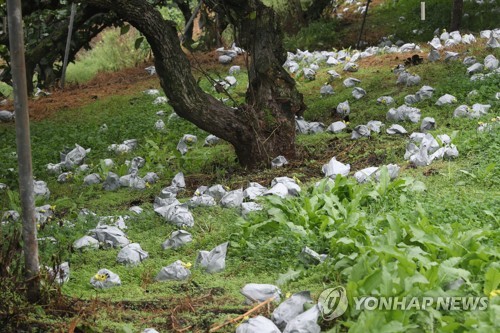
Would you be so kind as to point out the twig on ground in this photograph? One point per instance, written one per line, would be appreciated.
(234, 320)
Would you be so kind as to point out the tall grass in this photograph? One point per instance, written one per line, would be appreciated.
(112, 52)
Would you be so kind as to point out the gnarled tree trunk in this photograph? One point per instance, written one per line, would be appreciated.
(262, 128)
(272, 100)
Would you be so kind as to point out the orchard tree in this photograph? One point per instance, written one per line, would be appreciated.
(46, 26)
(297, 14)
(46, 30)
(185, 9)
(314, 11)
(456, 14)
(264, 126)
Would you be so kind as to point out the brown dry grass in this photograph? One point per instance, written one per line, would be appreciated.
(124, 82)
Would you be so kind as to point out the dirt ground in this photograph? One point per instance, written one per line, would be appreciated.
(124, 82)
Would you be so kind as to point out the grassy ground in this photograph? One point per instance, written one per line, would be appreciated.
(399, 19)
(461, 200)
(107, 55)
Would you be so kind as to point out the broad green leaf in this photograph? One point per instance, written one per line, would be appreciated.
(425, 238)
(345, 240)
(490, 167)
(297, 229)
(290, 275)
(124, 29)
(398, 183)
(384, 180)
(491, 280)
(278, 215)
(265, 225)
(371, 284)
(490, 214)
(386, 285)
(418, 186)
(468, 173)
(448, 271)
(330, 234)
(138, 42)
(392, 327)
(415, 278)
(359, 270)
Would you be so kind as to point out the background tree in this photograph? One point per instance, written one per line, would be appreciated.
(293, 17)
(296, 14)
(46, 24)
(185, 9)
(316, 9)
(456, 14)
(260, 129)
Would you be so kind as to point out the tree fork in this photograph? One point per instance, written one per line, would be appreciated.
(259, 130)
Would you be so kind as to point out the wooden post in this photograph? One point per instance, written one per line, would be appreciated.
(23, 141)
(68, 43)
(363, 23)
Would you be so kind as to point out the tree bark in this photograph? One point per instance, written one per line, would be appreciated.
(23, 142)
(293, 19)
(210, 36)
(313, 13)
(272, 99)
(456, 14)
(51, 48)
(259, 130)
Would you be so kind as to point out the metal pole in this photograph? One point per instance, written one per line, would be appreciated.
(363, 24)
(68, 43)
(30, 246)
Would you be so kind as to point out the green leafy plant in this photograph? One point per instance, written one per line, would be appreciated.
(384, 253)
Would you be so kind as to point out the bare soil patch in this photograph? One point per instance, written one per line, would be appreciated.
(123, 82)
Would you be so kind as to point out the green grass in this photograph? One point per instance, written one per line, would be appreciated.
(462, 196)
(107, 55)
(456, 218)
(319, 35)
(438, 15)
(384, 20)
